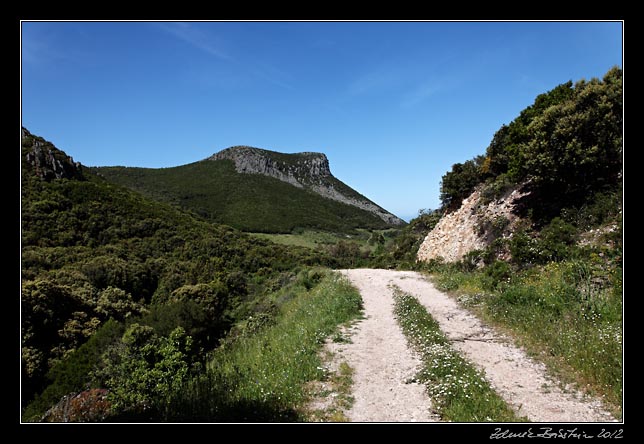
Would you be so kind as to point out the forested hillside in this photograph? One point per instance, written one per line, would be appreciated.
(117, 287)
(258, 191)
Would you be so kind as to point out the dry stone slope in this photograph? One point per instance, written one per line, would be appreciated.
(468, 228)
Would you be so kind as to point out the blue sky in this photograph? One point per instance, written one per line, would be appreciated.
(392, 104)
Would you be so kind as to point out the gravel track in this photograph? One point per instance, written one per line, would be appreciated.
(383, 363)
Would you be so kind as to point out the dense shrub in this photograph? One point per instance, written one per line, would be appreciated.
(144, 369)
(347, 253)
(114, 303)
(471, 260)
(555, 242)
(261, 374)
(497, 272)
(604, 207)
(565, 148)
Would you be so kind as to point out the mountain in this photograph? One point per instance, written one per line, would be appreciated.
(253, 189)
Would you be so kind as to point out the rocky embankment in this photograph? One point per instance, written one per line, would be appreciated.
(472, 227)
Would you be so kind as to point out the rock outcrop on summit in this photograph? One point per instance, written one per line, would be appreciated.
(299, 169)
(47, 161)
(305, 170)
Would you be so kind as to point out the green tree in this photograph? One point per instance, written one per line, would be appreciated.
(504, 155)
(575, 147)
(459, 183)
(48, 312)
(347, 253)
(376, 238)
(211, 297)
(144, 369)
(117, 304)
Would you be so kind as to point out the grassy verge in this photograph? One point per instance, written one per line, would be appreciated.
(262, 376)
(460, 393)
(567, 314)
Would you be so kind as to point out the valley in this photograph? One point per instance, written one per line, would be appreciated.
(254, 286)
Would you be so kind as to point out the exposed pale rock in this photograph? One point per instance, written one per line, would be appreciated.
(469, 227)
(307, 168)
(47, 161)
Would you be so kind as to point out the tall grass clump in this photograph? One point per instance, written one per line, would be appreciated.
(568, 313)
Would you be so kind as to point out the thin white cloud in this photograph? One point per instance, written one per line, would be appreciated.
(370, 82)
(403, 84)
(420, 94)
(196, 38)
(210, 44)
(273, 75)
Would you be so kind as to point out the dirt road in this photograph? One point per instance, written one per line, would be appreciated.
(383, 363)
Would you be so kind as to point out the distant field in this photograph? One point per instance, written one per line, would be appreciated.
(316, 239)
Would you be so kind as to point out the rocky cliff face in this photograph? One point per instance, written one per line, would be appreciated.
(472, 227)
(299, 169)
(47, 161)
(304, 170)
